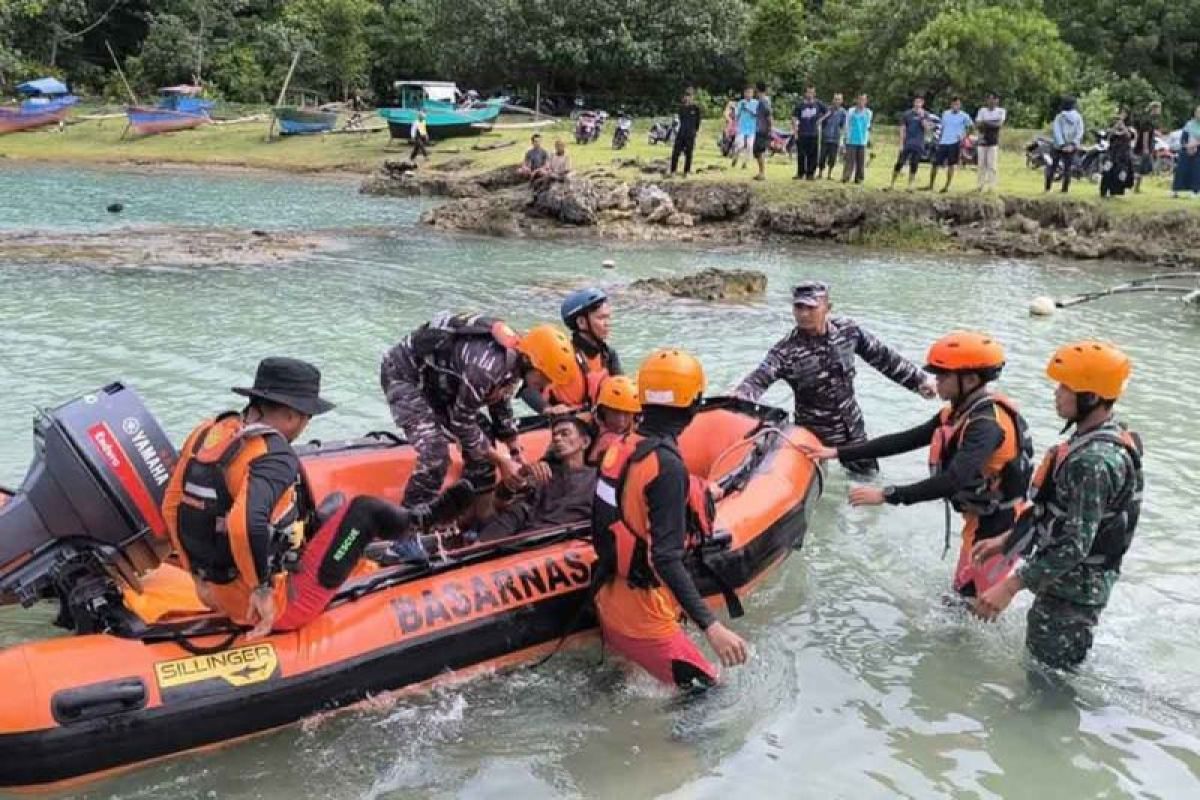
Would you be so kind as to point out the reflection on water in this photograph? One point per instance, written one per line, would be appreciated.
(861, 685)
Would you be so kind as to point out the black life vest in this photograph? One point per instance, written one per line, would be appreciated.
(1120, 519)
(432, 348)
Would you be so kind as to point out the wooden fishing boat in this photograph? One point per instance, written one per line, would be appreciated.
(178, 109)
(47, 102)
(298, 120)
(448, 112)
(147, 674)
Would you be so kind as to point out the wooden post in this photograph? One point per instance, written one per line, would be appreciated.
(283, 93)
(117, 64)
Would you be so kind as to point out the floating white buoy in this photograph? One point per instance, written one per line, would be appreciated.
(608, 263)
(1042, 306)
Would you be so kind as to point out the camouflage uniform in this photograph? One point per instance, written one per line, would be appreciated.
(1071, 593)
(441, 397)
(820, 369)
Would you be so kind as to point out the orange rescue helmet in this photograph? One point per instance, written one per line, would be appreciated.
(966, 351)
(1091, 366)
(549, 352)
(619, 393)
(670, 377)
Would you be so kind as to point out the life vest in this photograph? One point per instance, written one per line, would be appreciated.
(432, 349)
(621, 526)
(1120, 518)
(1005, 479)
(584, 387)
(213, 467)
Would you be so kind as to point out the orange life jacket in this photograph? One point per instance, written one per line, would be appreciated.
(203, 509)
(584, 388)
(1044, 520)
(621, 519)
(1005, 479)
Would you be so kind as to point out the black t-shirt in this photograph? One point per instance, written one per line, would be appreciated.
(689, 119)
(914, 128)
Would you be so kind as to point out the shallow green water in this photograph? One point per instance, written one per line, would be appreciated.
(860, 685)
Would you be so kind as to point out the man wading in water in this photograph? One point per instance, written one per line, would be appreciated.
(1087, 496)
(817, 360)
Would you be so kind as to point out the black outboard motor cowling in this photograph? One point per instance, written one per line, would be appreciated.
(89, 505)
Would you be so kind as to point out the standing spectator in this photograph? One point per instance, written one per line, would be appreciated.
(989, 120)
(1068, 136)
(858, 137)
(832, 125)
(912, 141)
(747, 122)
(763, 131)
(536, 157)
(1187, 166)
(1118, 174)
(729, 134)
(418, 132)
(806, 127)
(1147, 129)
(685, 138)
(955, 124)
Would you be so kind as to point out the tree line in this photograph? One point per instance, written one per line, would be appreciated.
(1031, 52)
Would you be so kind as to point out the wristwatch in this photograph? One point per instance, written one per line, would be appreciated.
(889, 495)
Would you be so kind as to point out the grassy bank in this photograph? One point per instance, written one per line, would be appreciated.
(246, 145)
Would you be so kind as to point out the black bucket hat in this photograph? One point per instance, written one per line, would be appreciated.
(290, 382)
(809, 293)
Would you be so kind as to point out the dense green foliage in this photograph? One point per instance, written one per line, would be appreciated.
(624, 51)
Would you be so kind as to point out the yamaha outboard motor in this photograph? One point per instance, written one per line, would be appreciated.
(86, 520)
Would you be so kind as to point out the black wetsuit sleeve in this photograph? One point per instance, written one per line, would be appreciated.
(891, 444)
(270, 476)
(666, 502)
(980, 441)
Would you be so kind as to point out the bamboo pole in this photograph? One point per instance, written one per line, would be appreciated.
(121, 73)
(283, 92)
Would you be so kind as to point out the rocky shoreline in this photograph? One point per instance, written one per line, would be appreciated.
(159, 246)
(601, 204)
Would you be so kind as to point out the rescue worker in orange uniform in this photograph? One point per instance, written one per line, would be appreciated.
(587, 314)
(980, 454)
(235, 514)
(641, 529)
(617, 410)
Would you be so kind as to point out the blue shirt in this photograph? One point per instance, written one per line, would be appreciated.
(954, 126)
(747, 117)
(831, 128)
(913, 122)
(858, 127)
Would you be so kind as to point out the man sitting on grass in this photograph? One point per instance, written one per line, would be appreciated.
(536, 159)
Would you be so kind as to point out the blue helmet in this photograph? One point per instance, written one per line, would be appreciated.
(580, 302)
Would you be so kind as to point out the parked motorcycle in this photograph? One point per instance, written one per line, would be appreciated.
(1088, 161)
(782, 141)
(587, 127)
(662, 132)
(623, 131)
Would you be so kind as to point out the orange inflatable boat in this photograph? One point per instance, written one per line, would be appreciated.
(145, 674)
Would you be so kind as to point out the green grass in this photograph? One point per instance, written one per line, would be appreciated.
(245, 145)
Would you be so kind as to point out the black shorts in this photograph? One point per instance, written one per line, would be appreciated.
(761, 142)
(947, 154)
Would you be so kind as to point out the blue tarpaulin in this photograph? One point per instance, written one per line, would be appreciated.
(45, 86)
